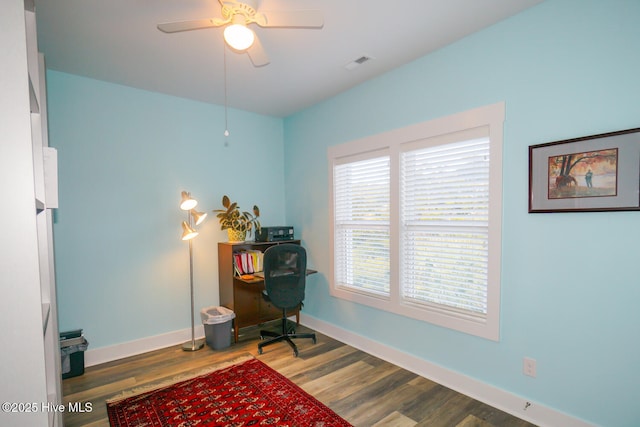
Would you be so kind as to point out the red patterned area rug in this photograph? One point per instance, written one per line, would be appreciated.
(249, 393)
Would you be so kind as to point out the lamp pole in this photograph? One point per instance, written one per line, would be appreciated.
(192, 345)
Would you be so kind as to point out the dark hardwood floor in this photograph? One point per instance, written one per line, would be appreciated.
(364, 390)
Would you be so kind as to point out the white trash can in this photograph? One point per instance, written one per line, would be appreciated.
(217, 323)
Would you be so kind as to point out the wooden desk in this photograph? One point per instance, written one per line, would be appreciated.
(244, 297)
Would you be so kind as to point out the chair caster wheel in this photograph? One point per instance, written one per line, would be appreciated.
(313, 340)
(295, 353)
(259, 351)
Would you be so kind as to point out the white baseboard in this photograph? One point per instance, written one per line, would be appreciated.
(132, 348)
(518, 406)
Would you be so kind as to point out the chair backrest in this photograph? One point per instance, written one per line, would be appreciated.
(285, 269)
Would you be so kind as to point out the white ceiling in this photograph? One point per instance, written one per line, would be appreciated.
(117, 41)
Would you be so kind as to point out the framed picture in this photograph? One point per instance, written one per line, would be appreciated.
(589, 174)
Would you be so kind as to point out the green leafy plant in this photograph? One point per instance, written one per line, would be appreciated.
(232, 218)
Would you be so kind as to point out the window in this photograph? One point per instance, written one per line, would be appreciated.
(362, 224)
(416, 219)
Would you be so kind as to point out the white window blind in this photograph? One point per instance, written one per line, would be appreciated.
(361, 225)
(416, 216)
(444, 227)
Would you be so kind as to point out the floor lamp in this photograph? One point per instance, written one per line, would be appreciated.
(188, 233)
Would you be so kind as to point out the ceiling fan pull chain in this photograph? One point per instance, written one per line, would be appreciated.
(226, 126)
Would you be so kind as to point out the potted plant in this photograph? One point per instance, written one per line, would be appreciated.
(237, 223)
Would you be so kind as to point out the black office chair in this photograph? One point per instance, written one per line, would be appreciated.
(285, 268)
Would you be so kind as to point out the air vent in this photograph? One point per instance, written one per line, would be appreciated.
(357, 62)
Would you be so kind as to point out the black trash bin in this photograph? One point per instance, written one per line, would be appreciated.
(72, 347)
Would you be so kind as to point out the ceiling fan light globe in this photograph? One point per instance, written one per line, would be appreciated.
(239, 37)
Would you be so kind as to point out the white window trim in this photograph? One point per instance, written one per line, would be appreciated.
(492, 116)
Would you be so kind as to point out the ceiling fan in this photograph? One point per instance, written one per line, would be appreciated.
(237, 15)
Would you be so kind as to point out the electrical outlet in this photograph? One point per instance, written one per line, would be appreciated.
(529, 367)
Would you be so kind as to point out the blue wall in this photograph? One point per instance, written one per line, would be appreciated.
(570, 290)
(124, 157)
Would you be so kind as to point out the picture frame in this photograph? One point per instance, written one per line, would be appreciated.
(588, 174)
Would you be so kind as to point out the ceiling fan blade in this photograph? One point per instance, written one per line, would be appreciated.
(257, 54)
(174, 27)
(291, 18)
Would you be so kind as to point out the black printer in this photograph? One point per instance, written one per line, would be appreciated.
(274, 234)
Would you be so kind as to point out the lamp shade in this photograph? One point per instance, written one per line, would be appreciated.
(187, 203)
(188, 233)
(239, 37)
(198, 217)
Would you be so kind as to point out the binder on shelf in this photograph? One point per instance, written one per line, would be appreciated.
(247, 262)
(247, 267)
(256, 257)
